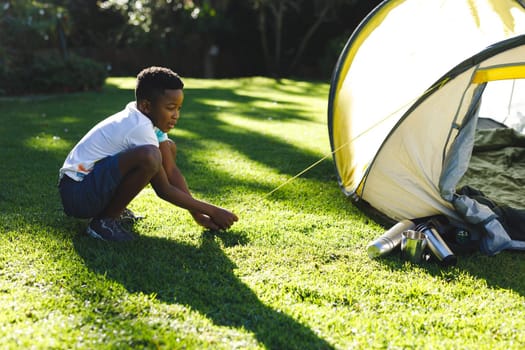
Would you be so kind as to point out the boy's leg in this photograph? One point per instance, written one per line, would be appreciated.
(137, 166)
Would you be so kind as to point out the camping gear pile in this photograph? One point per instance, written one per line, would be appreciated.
(426, 117)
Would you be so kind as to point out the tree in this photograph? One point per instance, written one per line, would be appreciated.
(271, 18)
(94, 27)
(324, 11)
(34, 53)
(26, 26)
(277, 9)
(183, 34)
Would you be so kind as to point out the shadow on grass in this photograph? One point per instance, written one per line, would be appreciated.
(503, 271)
(35, 138)
(200, 277)
(262, 148)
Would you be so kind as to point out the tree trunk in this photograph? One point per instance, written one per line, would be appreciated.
(306, 38)
(278, 13)
(264, 40)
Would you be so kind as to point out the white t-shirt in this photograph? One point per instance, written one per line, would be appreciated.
(124, 130)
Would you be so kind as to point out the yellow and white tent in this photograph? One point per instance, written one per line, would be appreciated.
(408, 91)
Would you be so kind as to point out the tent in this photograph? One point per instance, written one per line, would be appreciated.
(412, 88)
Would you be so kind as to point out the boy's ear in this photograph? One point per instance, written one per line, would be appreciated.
(144, 106)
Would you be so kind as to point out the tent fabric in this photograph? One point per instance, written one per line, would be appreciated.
(496, 149)
(514, 71)
(406, 95)
(405, 177)
(408, 44)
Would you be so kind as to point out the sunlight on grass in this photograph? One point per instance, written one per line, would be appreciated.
(218, 104)
(69, 119)
(236, 166)
(48, 143)
(291, 132)
(181, 133)
(121, 82)
(291, 273)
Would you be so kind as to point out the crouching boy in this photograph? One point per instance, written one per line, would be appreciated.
(120, 155)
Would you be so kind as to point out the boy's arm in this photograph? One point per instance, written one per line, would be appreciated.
(170, 185)
(219, 218)
(168, 149)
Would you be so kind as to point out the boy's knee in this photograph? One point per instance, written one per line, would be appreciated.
(147, 157)
(151, 157)
(169, 149)
(173, 148)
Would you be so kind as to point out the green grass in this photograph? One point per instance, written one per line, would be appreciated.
(292, 273)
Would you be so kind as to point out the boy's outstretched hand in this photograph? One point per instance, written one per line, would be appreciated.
(222, 219)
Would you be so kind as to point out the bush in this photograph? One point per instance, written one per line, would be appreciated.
(51, 73)
(332, 52)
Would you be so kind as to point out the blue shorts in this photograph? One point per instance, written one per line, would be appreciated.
(89, 197)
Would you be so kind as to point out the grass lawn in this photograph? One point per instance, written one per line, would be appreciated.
(293, 273)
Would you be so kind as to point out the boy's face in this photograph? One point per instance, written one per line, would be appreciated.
(165, 110)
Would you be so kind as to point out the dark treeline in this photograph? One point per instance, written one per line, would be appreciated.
(206, 38)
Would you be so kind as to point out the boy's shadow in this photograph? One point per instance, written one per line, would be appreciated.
(200, 277)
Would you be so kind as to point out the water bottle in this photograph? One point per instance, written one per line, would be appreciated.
(437, 245)
(389, 240)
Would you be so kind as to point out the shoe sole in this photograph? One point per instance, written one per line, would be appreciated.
(94, 234)
(130, 219)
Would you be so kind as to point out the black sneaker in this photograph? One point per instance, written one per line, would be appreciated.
(128, 215)
(108, 229)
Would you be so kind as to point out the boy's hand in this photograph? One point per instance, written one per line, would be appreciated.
(222, 219)
(205, 221)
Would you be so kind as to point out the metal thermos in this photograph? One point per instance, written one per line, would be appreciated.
(437, 245)
(389, 240)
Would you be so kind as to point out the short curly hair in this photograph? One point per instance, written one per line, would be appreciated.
(153, 81)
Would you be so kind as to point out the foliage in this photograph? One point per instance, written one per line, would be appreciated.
(256, 37)
(282, 55)
(31, 24)
(291, 274)
(26, 26)
(94, 27)
(161, 24)
(74, 73)
(284, 35)
(334, 48)
(48, 73)
(205, 38)
(34, 56)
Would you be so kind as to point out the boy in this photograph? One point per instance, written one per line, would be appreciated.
(118, 157)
